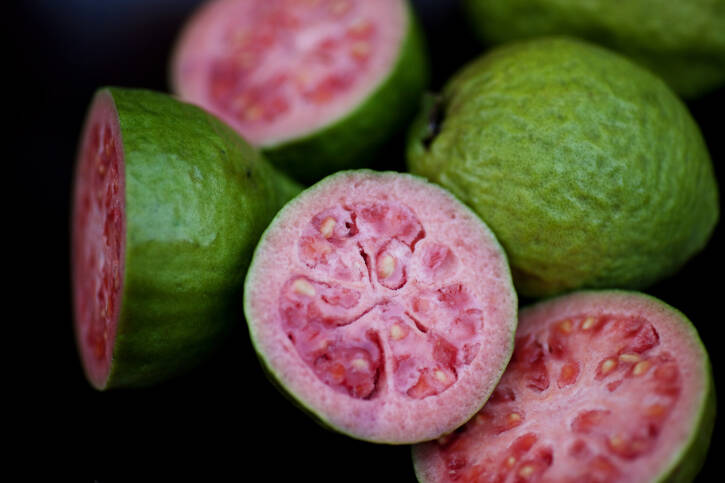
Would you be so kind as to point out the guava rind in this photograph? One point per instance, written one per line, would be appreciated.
(352, 141)
(197, 199)
(275, 379)
(692, 457)
(684, 42)
(590, 171)
(688, 460)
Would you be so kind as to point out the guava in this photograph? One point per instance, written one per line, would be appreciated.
(587, 167)
(683, 42)
(382, 306)
(168, 205)
(318, 85)
(603, 386)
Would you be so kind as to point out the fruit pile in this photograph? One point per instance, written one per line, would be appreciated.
(386, 304)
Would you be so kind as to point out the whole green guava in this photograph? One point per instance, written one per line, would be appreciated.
(588, 168)
(684, 42)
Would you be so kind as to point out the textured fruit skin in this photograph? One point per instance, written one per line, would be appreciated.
(687, 462)
(276, 379)
(352, 142)
(590, 171)
(197, 200)
(684, 42)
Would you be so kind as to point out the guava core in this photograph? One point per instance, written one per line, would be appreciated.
(317, 84)
(162, 233)
(603, 387)
(589, 170)
(382, 305)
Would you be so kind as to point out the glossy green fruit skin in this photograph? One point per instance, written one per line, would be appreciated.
(590, 171)
(684, 42)
(355, 140)
(197, 200)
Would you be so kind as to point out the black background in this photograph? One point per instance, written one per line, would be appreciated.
(225, 414)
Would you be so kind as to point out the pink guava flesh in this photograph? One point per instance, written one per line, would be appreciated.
(600, 388)
(98, 238)
(383, 305)
(278, 69)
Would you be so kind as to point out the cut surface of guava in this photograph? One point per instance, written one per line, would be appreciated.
(99, 238)
(381, 305)
(162, 233)
(280, 71)
(602, 387)
(277, 69)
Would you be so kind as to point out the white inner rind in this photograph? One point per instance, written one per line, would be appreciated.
(390, 416)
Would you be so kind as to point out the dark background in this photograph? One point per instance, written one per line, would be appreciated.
(224, 414)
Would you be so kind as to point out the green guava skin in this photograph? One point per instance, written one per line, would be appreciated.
(588, 168)
(197, 199)
(683, 42)
(354, 140)
(688, 461)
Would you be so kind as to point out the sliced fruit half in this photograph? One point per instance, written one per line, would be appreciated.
(318, 84)
(162, 232)
(603, 387)
(382, 305)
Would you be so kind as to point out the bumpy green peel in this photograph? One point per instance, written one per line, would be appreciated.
(197, 200)
(587, 167)
(353, 141)
(684, 42)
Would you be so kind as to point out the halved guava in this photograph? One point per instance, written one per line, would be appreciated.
(319, 85)
(603, 386)
(168, 206)
(382, 305)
